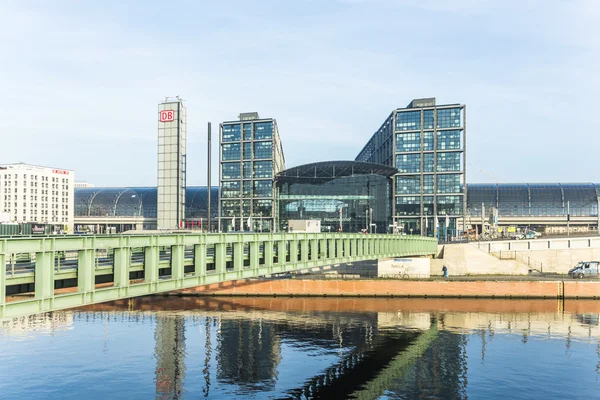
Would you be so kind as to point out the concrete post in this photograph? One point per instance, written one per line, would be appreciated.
(220, 261)
(281, 252)
(268, 253)
(177, 261)
(294, 250)
(121, 267)
(151, 260)
(330, 248)
(254, 254)
(304, 256)
(339, 251)
(44, 275)
(86, 268)
(200, 259)
(238, 255)
(323, 249)
(314, 249)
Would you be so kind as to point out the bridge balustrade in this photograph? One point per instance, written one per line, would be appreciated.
(105, 268)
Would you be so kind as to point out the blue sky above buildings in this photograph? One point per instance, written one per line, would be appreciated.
(81, 80)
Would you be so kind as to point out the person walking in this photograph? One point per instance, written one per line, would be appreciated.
(445, 271)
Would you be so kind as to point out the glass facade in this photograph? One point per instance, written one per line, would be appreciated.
(318, 191)
(251, 155)
(429, 155)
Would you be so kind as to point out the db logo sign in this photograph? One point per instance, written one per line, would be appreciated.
(167, 116)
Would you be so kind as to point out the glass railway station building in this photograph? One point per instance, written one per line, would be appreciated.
(408, 178)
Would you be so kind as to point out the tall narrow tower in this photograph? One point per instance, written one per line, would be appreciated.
(171, 164)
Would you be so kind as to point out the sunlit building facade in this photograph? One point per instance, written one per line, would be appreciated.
(250, 155)
(425, 142)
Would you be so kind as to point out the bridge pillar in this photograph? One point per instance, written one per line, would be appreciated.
(314, 249)
(86, 272)
(177, 261)
(322, 249)
(121, 267)
(304, 256)
(268, 253)
(220, 262)
(293, 251)
(44, 275)
(330, 248)
(339, 249)
(3, 279)
(347, 250)
(151, 261)
(281, 252)
(238, 254)
(254, 253)
(200, 259)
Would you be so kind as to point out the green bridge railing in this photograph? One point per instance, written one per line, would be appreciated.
(39, 271)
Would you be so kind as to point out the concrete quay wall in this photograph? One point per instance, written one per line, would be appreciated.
(403, 288)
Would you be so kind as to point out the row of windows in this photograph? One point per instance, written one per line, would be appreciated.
(41, 219)
(258, 208)
(232, 151)
(446, 140)
(261, 188)
(35, 178)
(446, 205)
(450, 183)
(233, 132)
(411, 120)
(247, 169)
(446, 162)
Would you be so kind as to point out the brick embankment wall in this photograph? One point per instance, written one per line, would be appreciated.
(496, 289)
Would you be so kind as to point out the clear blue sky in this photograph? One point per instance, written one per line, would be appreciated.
(81, 80)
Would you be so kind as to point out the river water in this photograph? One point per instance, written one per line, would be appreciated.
(273, 348)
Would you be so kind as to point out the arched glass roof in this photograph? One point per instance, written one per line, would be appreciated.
(535, 199)
(327, 170)
(138, 202)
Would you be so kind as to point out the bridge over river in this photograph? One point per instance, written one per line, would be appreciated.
(52, 273)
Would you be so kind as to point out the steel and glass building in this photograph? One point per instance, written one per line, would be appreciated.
(344, 195)
(425, 142)
(250, 157)
(172, 120)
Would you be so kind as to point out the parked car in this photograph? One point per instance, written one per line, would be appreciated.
(532, 235)
(585, 269)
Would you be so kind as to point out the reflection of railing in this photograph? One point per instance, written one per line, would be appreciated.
(515, 255)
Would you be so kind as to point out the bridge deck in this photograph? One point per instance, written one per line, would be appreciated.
(140, 265)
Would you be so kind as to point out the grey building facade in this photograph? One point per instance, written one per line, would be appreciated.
(250, 156)
(426, 143)
(172, 120)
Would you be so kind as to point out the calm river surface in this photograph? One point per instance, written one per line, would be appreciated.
(271, 348)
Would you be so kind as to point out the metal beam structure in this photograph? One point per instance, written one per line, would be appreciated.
(140, 265)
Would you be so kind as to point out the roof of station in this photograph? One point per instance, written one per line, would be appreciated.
(535, 198)
(328, 170)
(138, 202)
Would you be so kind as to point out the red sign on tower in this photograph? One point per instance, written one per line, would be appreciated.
(167, 115)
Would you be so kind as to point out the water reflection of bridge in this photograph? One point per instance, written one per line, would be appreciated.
(247, 335)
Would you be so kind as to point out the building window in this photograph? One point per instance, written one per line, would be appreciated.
(408, 205)
(447, 140)
(408, 142)
(231, 133)
(427, 141)
(231, 151)
(448, 162)
(449, 205)
(448, 183)
(428, 184)
(448, 118)
(263, 169)
(247, 151)
(408, 184)
(263, 150)
(408, 121)
(263, 130)
(230, 189)
(263, 188)
(408, 162)
(428, 119)
(247, 169)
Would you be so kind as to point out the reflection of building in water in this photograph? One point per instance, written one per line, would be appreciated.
(39, 323)
(169, 339)
(248, 353)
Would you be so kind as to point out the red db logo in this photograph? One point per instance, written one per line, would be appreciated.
(167, 116)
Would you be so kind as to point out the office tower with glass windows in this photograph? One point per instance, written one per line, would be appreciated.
(250, 157)
(426, 143)
(172, 119)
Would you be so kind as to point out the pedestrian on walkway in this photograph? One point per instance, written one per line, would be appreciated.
(445, 271)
